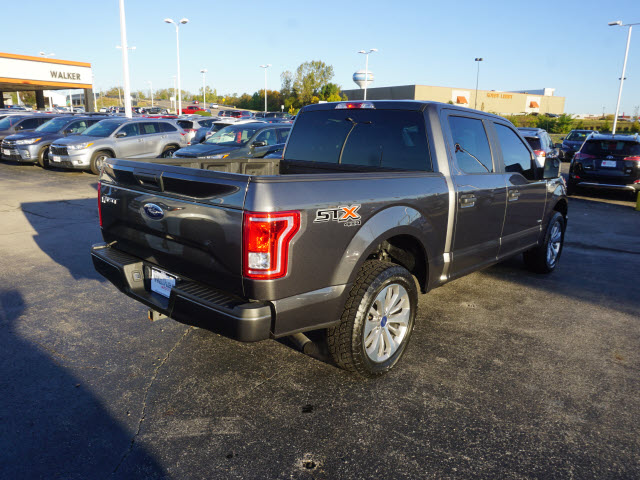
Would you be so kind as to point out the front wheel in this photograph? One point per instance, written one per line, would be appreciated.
(43, 157)
(544, 258)
(97, 160)
(377, 321)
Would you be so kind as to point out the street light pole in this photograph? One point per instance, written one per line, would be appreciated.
(366, 69)
(182, 22)
(265, 84)
(175, 93)
(150, 91)
(475, 105)
(619, 23)
(204, 92)
(125, 62)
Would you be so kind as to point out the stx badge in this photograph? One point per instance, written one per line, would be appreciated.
(347, 215)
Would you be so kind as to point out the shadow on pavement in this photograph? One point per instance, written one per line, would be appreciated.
(52, 426)
(65, 231)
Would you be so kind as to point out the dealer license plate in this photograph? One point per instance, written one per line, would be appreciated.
(162, 283)
(608, 163)
(55, 158)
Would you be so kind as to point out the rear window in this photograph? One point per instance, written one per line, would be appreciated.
(185, 124)
(610, 147)
(534, 142)
(577, 136)
(392, 139)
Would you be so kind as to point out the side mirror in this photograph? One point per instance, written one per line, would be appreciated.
(259, 144)
(19, 127)
(121, 134)
(551, 168)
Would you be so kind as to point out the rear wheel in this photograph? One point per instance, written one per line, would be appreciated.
(43, 157)
(97, 160)
(168, 151)
(544, 258)
(377, 321)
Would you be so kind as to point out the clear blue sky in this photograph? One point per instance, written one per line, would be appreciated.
(563, 44)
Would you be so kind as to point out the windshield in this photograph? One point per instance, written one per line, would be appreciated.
(365, 138)
(8, 121)
(53, 126)
(610, 147)
(577, 136)
(102, 129)
(232, 136)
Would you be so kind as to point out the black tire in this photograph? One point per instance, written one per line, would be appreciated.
(544, 258)
(168, 151)
(347, 341)
(43, 157)
(97, 160)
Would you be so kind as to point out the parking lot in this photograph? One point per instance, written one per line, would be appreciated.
(508, 375)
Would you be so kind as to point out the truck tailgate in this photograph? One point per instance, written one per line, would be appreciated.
(186, 221)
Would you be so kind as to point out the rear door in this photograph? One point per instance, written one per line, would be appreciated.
(132, 144)
(480, 194)
(526, 196)
(153, 141)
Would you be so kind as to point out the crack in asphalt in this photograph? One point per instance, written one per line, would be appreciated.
(144, 399)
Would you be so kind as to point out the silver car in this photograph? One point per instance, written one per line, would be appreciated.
(117, 137)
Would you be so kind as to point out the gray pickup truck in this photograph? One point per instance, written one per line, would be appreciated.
(372, 202)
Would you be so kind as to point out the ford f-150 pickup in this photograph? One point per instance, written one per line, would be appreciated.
(372, 202)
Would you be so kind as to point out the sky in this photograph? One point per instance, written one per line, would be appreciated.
(561, 44)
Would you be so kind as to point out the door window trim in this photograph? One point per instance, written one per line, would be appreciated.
(453, 161)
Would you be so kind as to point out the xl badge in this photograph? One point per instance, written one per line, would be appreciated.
(347, 215)
(153, 211)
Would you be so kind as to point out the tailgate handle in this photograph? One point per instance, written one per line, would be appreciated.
(152, 181)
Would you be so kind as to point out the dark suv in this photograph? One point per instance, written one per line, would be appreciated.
(572, 143)
(21, 123)
(607, 161)
(541, 143)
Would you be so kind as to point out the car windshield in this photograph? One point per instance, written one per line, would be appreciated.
(611, 147)
(534, 142)
(102, 129)
(53, 125)
(577, 136)
(8, 121)
(233, 135)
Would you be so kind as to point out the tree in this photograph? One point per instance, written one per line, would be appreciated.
(310, 78)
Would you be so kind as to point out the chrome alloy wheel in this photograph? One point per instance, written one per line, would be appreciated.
(100, 159)
(554, 244)
(387, 323)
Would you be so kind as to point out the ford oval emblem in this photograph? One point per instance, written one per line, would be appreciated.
(153, 211)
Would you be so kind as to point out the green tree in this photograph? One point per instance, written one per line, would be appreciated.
(310, 78)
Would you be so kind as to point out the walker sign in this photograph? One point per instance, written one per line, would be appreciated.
(38, 71)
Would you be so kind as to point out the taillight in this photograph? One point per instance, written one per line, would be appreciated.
(265, 243)
(350, 105)
(540, 153)
(100, 203)
(583, 156)
(633, 159)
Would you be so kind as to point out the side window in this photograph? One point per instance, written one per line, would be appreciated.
(205, 123)
(131, 129)
(268, 136)
(77, 127)
(148, 128)
(517, 158)
(30, 123)
(283, 134)
(167, 127)
(473, 153)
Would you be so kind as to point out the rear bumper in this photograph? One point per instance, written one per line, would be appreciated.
(190, 303)
(609, 186)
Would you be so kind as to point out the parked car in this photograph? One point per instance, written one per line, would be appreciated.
(18, 108)
(191, 109)
(117, 137)
(247, 140)
(103, 110)
(606, 161)
(236, 114)
(541, 143)
(21, 123)
(156, 111)
(138, 110)
(33, 146)
(374, 202)
(572, 143)
(191, 125)
(213, 105)
(205, 132)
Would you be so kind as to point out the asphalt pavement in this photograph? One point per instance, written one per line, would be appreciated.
(509, 374)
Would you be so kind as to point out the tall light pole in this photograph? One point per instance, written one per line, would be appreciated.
(175, 93)
(182, 22)
(204, 92)
(265, 84)
(619, 23)
(150, 91)
(366, 69)
(95, 103)
(125, 62)
(478, 60)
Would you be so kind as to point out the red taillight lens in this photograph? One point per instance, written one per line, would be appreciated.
(633, 159)
(100, 203)
(265, 243)
(540, 153)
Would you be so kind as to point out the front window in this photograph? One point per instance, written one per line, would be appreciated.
(232, 136)
(102, 129)
(54, 125)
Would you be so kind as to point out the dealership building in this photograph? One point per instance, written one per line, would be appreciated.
(20, 73)
(504, 103)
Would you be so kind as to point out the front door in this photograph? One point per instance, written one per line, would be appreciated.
(132, 144)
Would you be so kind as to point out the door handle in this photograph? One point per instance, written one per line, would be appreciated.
(141, 140)
(467, 200)
(514, 195)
